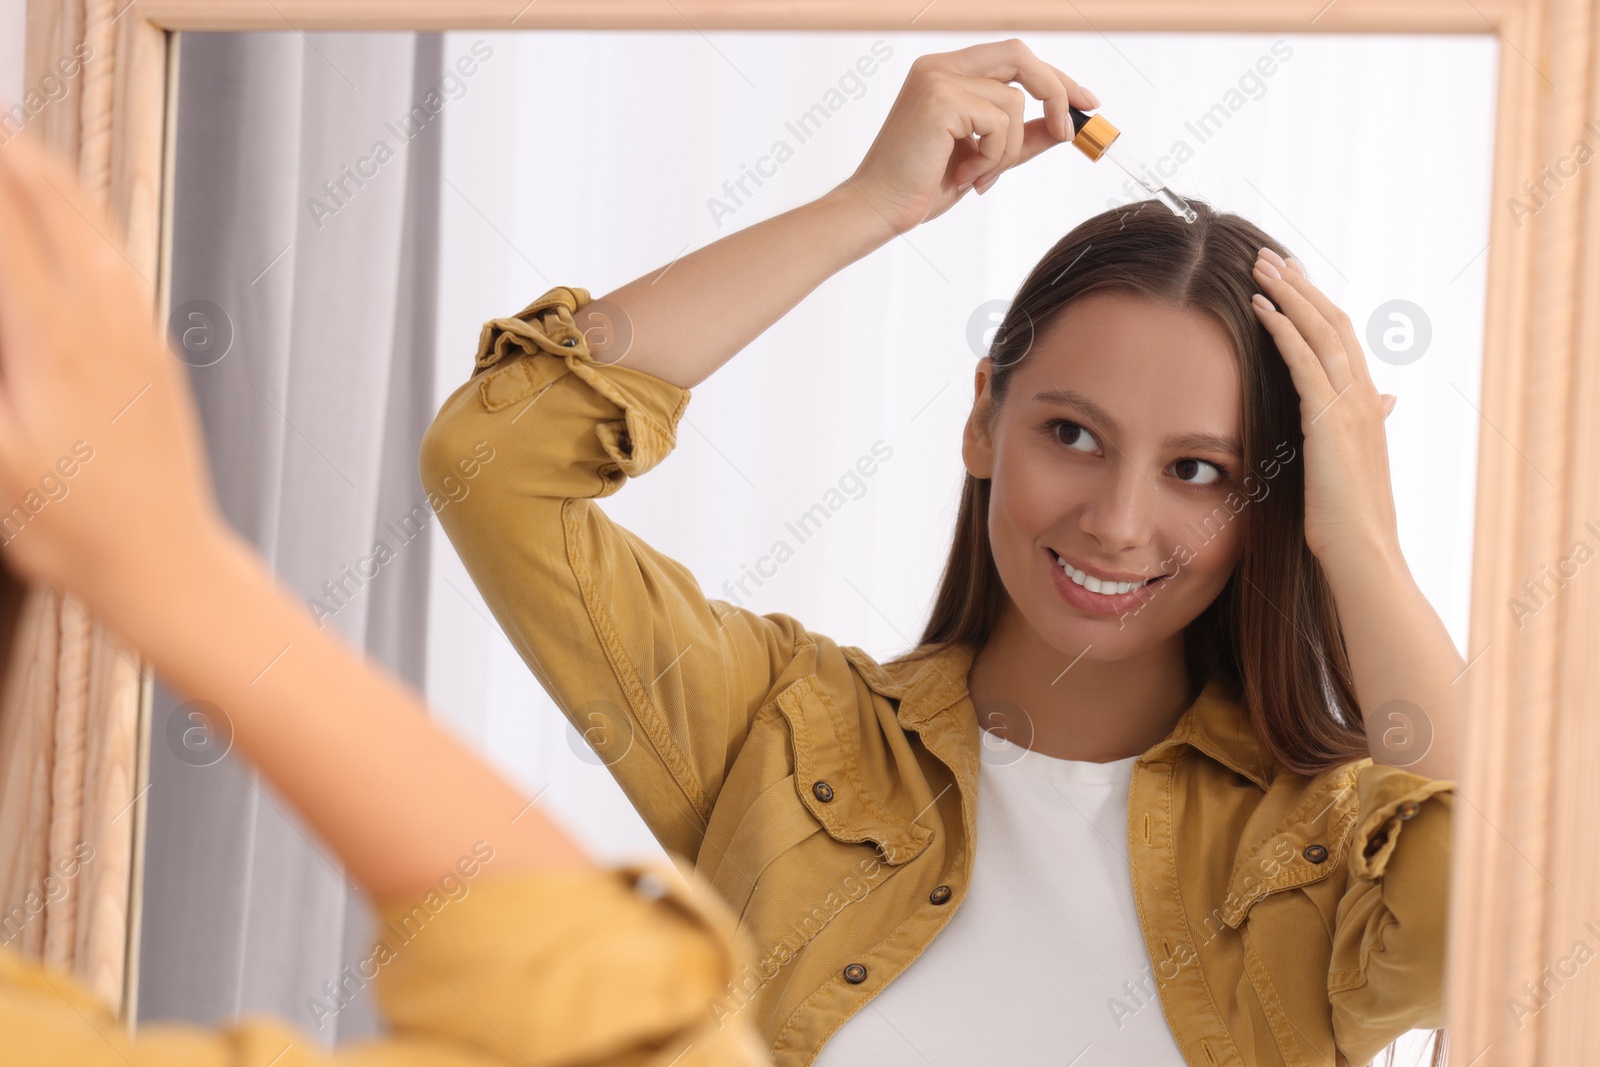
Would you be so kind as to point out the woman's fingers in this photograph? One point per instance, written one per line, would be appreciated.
(31, 266)
(1007, 140)
(959, 119)
(1000, 63)
(66, 253)
(1013, 61)
(91, 270)
(26, 229)
(1036, 137)
(85, 366)
(28, 294)
(1310, 380)
(1294, 272)
(1283, 286)
(976, 117)
(33, 277)
(1079, 97)
(73, 235)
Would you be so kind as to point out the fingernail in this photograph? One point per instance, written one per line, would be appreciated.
(1268, 269)
(964, 188)
(1297, 265)
(1093, 99)
(1271, 257)
(1261, 302)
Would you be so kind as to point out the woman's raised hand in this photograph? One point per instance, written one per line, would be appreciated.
(925, 157)
(102, 470)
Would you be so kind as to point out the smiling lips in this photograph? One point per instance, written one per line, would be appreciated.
(1102, 597)
(1105, 587)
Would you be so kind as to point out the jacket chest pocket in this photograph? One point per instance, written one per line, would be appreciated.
(763, 829)
(1300, 858)
(852, 807)
(1281, 901)
(798, 777)
(1307, 847)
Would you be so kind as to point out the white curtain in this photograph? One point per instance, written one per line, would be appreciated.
(304, 260)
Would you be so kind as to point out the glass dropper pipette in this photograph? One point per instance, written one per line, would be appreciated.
(1094, 136)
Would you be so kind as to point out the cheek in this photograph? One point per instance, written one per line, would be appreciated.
(1027, 498)
(1214, 536)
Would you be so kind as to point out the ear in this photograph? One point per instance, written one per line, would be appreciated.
(977, 444)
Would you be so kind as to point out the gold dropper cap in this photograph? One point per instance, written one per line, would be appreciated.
(1093, 133)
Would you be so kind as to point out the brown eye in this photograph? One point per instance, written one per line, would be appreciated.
(1072, 435)
(1187, 468)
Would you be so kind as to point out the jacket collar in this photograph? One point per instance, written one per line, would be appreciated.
(1217, 725)
(1214, 724)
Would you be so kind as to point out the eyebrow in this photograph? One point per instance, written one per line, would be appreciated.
(1203, 441)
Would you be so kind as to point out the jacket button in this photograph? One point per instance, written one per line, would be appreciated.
(823, 791)
(940, 894)
(855, 974)
(1378, 841)
(570, 342)
(1406, 809)
(1315, 853)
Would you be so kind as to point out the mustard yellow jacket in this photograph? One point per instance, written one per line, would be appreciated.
(830, 798)
(565, 968)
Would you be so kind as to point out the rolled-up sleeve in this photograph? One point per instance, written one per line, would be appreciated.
(664, 681)
(573, 968)
(578, 968)
(1387, 975)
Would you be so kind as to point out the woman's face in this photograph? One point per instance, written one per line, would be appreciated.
(1111, 451)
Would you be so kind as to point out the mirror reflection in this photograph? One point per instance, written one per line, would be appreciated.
(999, 515)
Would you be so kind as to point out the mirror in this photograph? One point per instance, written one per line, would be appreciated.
(349, 209)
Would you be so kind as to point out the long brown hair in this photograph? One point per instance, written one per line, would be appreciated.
(1272, 635)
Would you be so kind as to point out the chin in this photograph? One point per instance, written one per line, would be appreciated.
(1109, 638)
(1106, 640)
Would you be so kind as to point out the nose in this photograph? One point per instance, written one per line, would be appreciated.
(1118, 515)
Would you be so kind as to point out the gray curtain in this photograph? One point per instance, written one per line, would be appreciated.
(303, 294)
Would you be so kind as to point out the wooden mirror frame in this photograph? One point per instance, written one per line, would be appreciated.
(1524, 887)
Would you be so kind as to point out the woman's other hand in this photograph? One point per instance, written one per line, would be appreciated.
(1348, 494)
(1403, 662)
(924, 159)
(102, 473)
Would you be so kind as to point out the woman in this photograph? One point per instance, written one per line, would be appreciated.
(1140, 794)
(502, 942)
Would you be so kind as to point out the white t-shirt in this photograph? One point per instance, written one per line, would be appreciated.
(1044, 961)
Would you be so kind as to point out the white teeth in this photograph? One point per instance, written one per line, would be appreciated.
(1095, 585)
